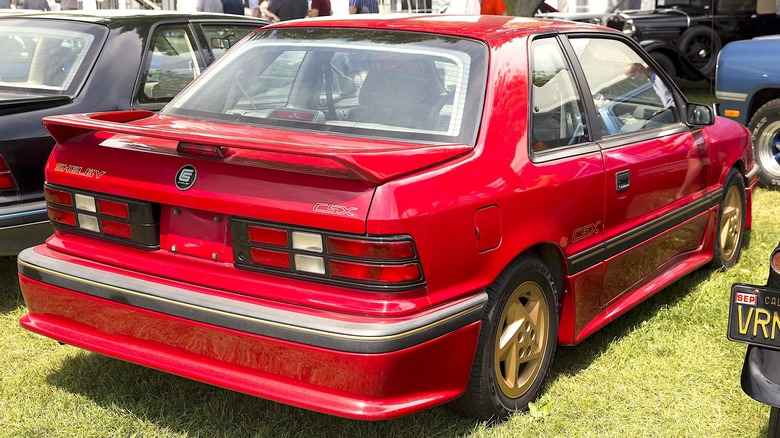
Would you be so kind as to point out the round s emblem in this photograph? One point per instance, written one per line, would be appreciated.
(185, 177)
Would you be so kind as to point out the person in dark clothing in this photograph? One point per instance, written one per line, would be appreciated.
(289, 9)
(235, 7)
(319, 8)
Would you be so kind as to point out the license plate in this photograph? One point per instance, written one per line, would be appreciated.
(754, 315)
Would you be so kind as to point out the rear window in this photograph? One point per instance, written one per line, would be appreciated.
(398, 85)
(47, 56)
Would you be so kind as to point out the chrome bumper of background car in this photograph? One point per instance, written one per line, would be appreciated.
(23, 226)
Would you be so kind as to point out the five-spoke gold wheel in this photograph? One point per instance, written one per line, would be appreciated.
(521, 339)
(731, 226)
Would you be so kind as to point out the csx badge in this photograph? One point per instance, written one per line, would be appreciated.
(186, 176)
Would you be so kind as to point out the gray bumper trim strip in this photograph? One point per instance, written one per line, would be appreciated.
(376, 335)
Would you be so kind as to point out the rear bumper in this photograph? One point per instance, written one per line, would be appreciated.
(358, 367)
(23, 226)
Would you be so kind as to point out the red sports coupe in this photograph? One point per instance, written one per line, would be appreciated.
(368, 217)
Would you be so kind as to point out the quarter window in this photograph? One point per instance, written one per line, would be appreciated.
(171, 64)
(628, 94)
(557, 116)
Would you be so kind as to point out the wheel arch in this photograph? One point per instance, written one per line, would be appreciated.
(553, 258)
(759, 98)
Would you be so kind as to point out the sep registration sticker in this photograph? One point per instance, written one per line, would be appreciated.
(754, 315)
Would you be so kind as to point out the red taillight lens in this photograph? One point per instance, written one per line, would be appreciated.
(56, 196)
(117, 229)
(270, 258)
(267, 235)
(377, 273)
(775, 262)
(6, 179)
(380, 250)
(61, 216)
(113, 208)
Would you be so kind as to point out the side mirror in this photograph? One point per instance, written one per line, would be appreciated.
(700, 115)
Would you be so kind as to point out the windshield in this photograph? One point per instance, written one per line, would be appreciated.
(51, 57)
(399, 85)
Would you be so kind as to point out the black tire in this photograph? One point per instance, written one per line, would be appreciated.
(523, 306)
(666, 64)
(765, 129)
(701, 45)
(730, 231)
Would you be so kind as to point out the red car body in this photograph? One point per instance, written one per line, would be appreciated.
(445, 219)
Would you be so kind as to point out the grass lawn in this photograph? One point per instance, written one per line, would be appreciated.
(663, 369)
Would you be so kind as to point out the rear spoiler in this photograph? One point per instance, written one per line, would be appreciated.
(374, 164)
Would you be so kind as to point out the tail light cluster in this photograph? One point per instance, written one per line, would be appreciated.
(775, 260)
(381, 263)
(113, 218)
(6, 179)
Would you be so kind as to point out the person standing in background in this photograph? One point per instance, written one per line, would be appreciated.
(363, 7)
(235, 7)
(209, 6)
(69, 5)
(319, 8)
(288, 9)
(493, 7)
(38, 5)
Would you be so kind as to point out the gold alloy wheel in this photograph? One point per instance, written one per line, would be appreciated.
(521, 339)
(730, 223)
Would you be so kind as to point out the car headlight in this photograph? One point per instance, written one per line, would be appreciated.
(628, 28)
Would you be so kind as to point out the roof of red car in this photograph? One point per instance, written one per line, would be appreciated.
(481, 27)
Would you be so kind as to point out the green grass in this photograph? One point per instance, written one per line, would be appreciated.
(663, 369)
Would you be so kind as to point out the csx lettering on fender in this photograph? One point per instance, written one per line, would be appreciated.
(754, 315)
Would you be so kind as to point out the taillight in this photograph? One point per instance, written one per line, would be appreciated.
(367, 262)
(775, 261)
(110, 217)
(6, 179)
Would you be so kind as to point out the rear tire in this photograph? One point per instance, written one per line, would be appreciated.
(731, 222)
(516, 343)
(765, 129)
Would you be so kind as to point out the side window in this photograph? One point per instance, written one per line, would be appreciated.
(557, 116)
(223, 37)
(171, 64)
(629, 96)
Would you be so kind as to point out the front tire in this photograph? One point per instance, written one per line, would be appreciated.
(666, 64)
(731, 222)
(516, 344)
(765, 129)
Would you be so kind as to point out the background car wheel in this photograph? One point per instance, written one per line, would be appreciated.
(765, 129)
(731, 222)
(516, 344)
(666, 63)
(701, 46)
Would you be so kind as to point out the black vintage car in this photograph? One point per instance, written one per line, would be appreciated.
(754, 318)
(59, 63)
(685, 36)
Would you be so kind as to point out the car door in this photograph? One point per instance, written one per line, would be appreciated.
(655, 172)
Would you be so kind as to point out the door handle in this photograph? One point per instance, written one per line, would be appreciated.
(622, 181)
